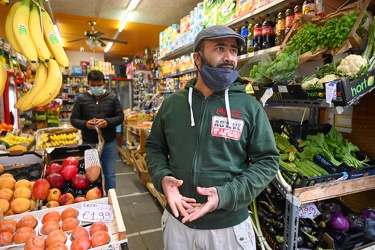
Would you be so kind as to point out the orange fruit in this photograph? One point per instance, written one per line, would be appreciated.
(49, 226)
(55, 236)
(99, 238)
(9, 127)
(57, 246)
(69, 213)
(6, 239)
(27, 221)
(79, 231)
(23, 234)
(8, 226)
(81, 243)
(69, 224)
(96, 226)
(52, 215)
(35, 242)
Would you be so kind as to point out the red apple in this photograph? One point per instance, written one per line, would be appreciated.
(71, 160)
(55, 180)
(80, 181)
(41, 189)
(69, 171)
(93, 194)
(66, 199)
(54, 168)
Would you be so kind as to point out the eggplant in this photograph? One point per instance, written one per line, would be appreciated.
(368, 213)
(369, 229)
(300, 239)
(356, 223)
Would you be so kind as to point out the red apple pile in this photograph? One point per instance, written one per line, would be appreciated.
(70, 178)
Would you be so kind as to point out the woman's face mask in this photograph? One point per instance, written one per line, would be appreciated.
(217, 78)
(97, 90)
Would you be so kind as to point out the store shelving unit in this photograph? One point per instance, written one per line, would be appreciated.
(301, 195)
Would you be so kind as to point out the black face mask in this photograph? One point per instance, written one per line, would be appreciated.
(217, 78)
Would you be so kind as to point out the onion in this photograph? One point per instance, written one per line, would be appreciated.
(338, 222)
(368, 213)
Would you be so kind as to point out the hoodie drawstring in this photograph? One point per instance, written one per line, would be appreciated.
(191, 106)
(227, 107)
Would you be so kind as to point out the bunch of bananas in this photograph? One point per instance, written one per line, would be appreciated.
(53, 140)
(29, 30)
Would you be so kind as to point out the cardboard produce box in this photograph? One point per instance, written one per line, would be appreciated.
(28, 165)
(58, 155)
(58, 136)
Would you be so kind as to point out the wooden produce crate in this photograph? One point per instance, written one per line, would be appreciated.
(159, 196)
(354, 40)
(116, 226)
(140, 166)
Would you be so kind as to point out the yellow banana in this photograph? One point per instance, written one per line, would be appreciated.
(52, 85)
(25, 102)
(3, 77)
(52, 40)
(21, 32)
(4, 2)
(9, 26)
(37, 36)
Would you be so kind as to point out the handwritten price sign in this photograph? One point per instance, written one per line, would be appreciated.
(308, 211)
(96, 212)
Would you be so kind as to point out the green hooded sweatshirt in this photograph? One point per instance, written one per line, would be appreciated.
(193, 138)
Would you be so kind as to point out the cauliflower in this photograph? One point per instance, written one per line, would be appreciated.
(351, 65)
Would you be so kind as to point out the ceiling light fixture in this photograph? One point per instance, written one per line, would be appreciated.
(108, 47)
(57, 31)
(133, 4)
(124, 22)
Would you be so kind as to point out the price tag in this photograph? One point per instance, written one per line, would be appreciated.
(308, 211)
(96, 212)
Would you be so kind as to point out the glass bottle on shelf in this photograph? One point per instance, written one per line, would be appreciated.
(250, 36)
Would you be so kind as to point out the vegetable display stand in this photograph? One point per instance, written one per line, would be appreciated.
(310, 194)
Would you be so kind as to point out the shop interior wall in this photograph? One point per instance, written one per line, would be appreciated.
(75, 57)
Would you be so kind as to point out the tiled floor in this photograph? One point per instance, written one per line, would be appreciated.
(140, 210)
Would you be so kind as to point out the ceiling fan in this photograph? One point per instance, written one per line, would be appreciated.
(94, 38)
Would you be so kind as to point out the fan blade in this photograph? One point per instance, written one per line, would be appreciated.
(93, 33)
(113, 40)
(103, 44)
(76, 40)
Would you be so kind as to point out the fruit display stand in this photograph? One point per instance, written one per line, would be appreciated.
(116, 225)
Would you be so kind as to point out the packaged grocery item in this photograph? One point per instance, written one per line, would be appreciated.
(250, 36)
(308, 8)
(268, 34)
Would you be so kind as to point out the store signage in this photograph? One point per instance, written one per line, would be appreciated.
(96, 212)
(309, 210)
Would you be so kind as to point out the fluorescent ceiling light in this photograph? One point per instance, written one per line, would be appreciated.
(133, 4)
(124, 22)
(58, 34)
(108, 47)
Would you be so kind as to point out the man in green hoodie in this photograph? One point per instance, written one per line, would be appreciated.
(211, 151)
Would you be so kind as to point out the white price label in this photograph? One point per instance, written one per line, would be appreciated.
(96, 212)
(308, 211)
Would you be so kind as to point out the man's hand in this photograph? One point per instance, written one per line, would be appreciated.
(101, 123)
(198, 211)
(176, 201)
(90, 124)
